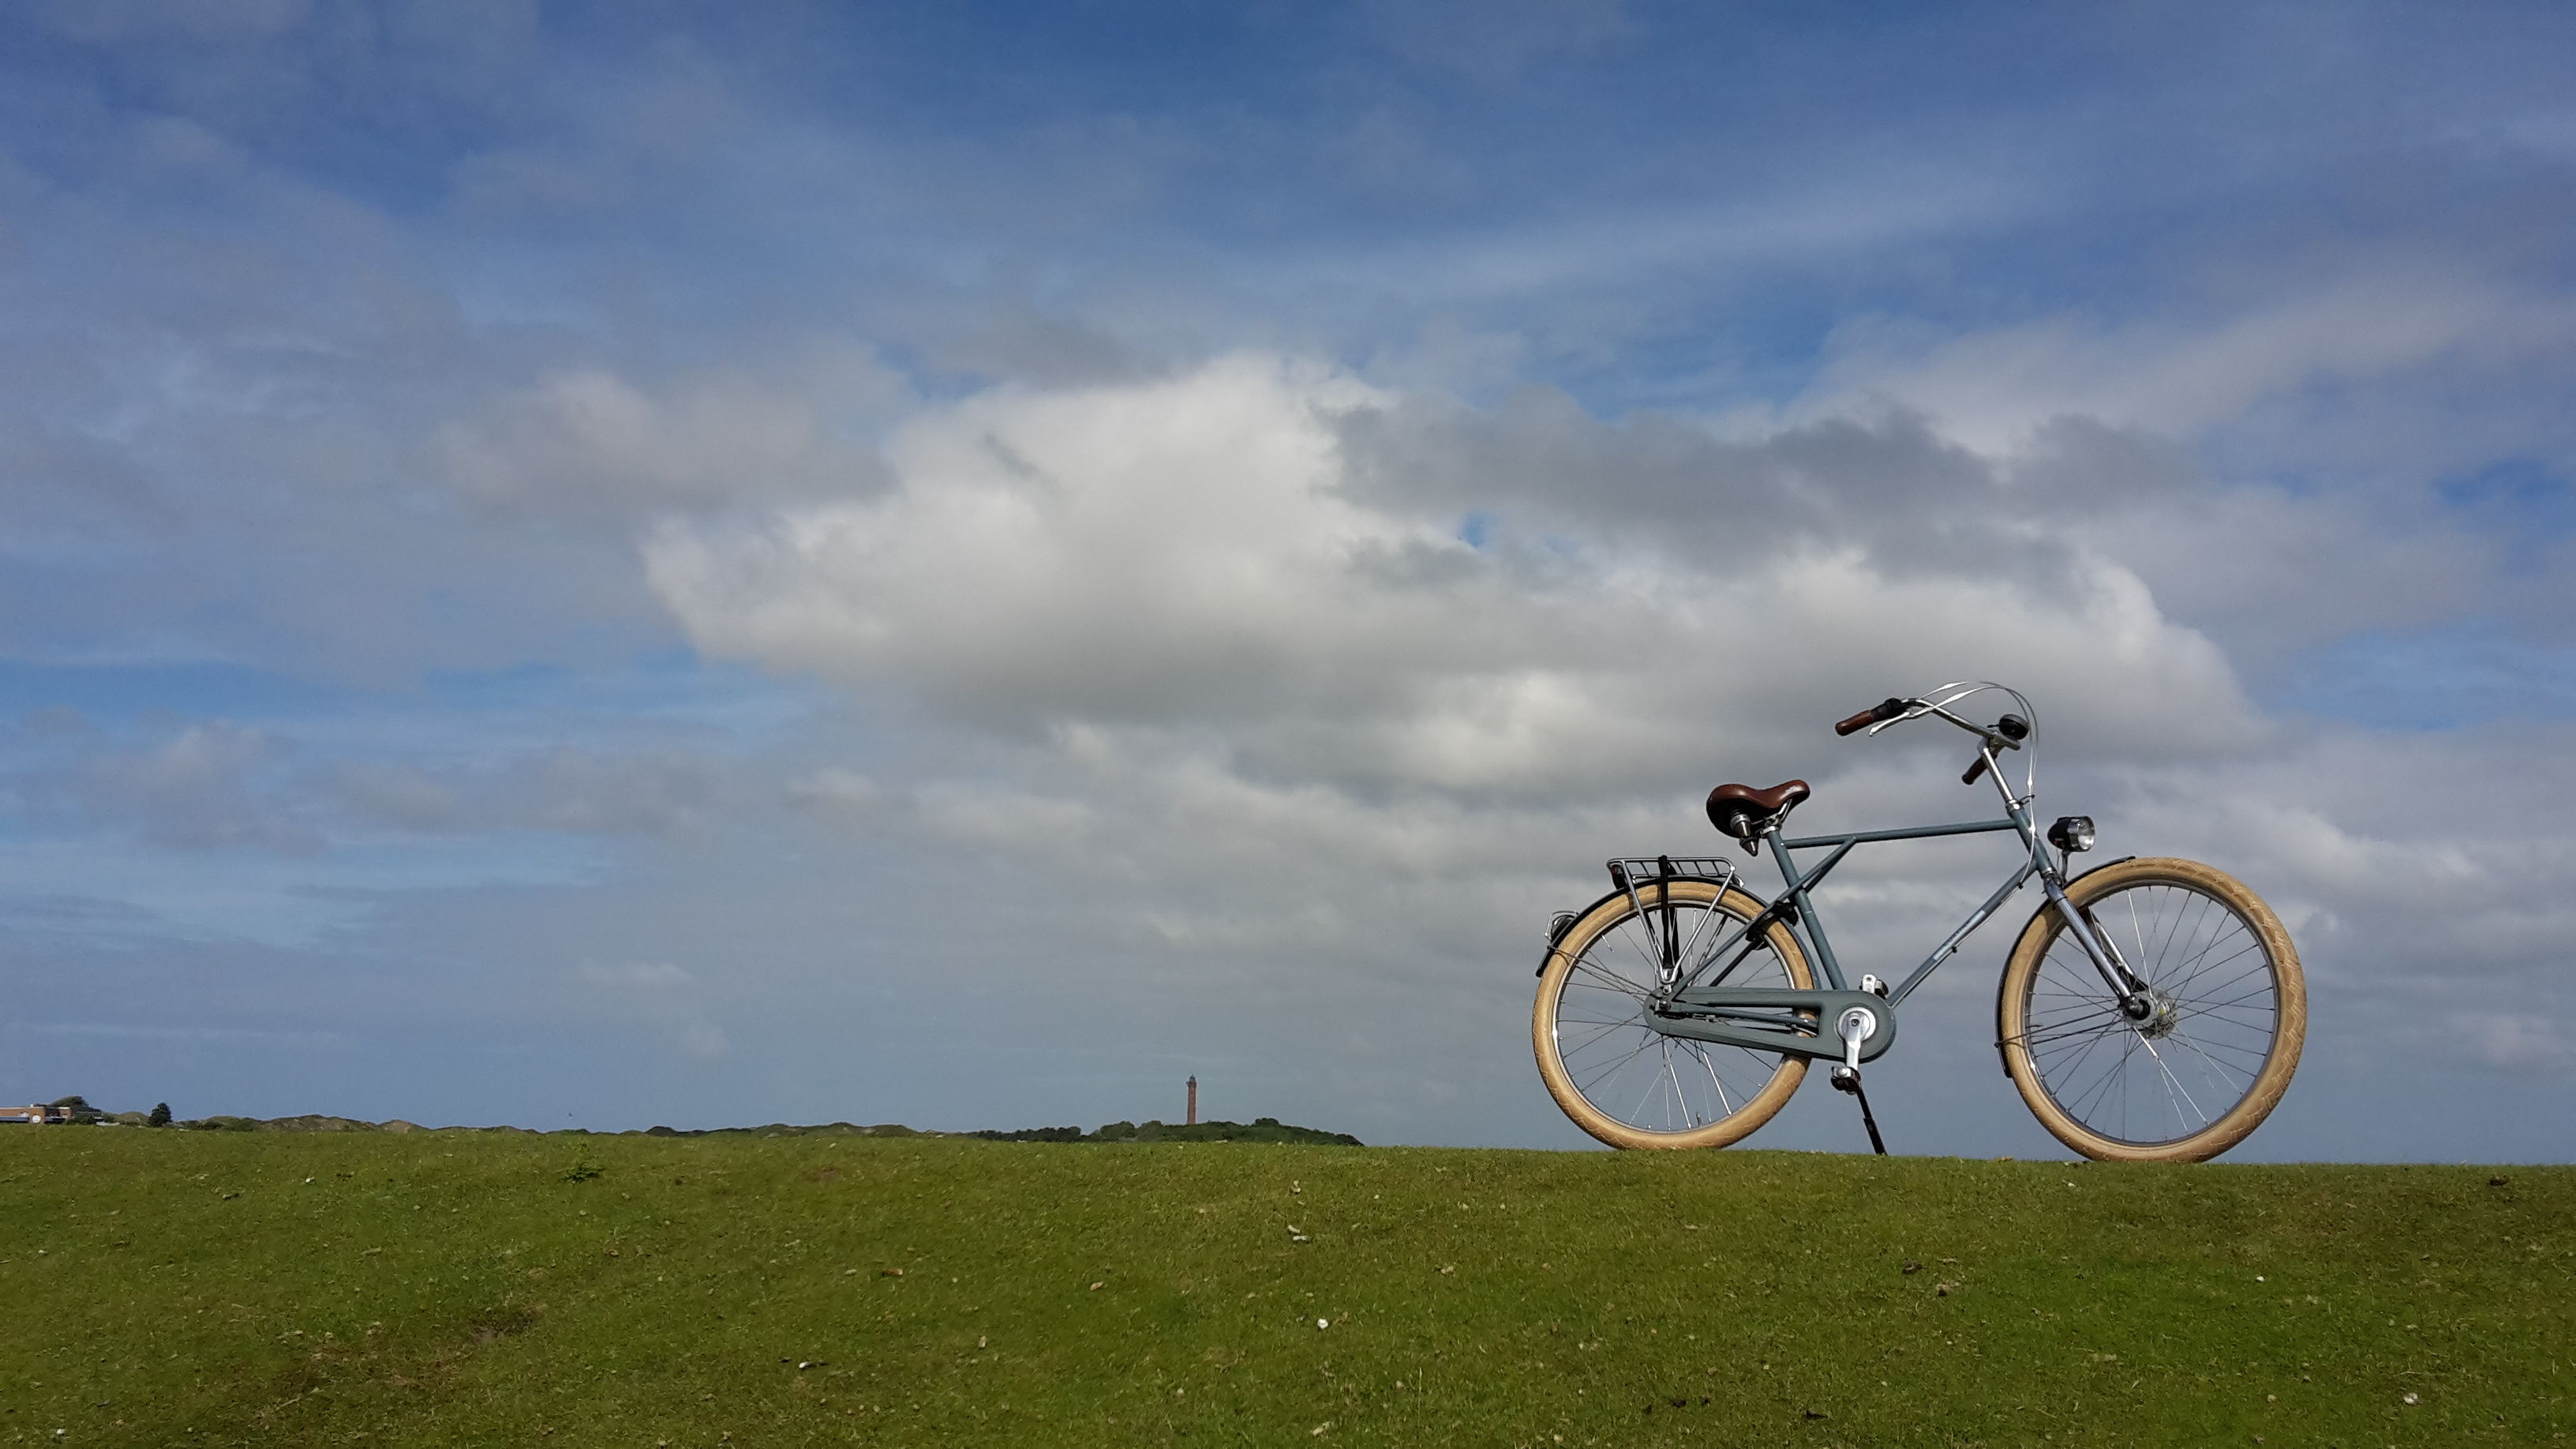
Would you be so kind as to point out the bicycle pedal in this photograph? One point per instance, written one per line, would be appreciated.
(1845, 1079)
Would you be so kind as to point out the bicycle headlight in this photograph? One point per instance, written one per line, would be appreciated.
(2072, 834)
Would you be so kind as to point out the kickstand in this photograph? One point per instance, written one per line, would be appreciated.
(1847, 1079)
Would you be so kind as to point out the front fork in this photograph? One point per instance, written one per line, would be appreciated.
(2122, 982)
(2099, 948)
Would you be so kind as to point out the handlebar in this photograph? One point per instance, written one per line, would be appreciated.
(1879, 713)
(2008, 732)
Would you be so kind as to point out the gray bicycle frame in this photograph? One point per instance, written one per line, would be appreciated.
(1812, 928)
(1787, 1019)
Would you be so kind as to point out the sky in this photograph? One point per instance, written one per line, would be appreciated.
(603, 565)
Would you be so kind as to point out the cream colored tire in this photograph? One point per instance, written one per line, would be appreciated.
(1628, 1084)
(2230, 1013)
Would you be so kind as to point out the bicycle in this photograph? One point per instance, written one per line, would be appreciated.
(2150, 1010)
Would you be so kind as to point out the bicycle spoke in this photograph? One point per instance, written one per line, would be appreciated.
(1607, 1027)
(2075, 1068)
(1654, 1084)
(1680, 1098)
(1606, 980)
(2173, 1084)
(2101, 1085)
(2218, 1068)
(1604, 1074)
(1652, 953)
(1726, 1107)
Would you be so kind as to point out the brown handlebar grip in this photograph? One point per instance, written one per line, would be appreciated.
(1858, 722)
(1974, 771)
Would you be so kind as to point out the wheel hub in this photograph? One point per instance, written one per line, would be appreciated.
(2155, 1011)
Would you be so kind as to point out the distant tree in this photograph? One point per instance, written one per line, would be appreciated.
(160, 1114)
(76, 1109)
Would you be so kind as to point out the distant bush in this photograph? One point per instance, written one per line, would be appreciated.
(1265, 1129)
(782, 1129)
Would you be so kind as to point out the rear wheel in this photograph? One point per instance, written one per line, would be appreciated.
(2226, 1010)
(1619, 1078)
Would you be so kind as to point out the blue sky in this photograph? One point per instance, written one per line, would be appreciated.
(620, 564)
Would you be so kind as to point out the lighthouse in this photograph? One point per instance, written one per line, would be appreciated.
(1194, 1101)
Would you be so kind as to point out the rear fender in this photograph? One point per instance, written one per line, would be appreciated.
(1565, 923)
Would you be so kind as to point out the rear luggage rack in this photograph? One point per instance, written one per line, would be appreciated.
(1626, 871)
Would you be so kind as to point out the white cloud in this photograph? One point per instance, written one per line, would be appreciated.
(1196, 553)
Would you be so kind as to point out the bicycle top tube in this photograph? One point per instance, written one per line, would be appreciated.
(1910, 832)
(1799, 883)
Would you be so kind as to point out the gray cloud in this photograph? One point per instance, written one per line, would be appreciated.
(666, 996)
(558, 789)
(588, 441)
(207, 787)
(217, 785)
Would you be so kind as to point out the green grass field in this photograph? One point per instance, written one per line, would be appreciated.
(164, 1287)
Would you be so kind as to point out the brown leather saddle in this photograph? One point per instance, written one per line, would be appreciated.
(1742, 811)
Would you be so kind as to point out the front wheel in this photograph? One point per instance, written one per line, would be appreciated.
(2223, 1015)
(1619, 1078)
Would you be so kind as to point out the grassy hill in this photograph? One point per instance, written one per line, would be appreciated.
(451, 1287)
